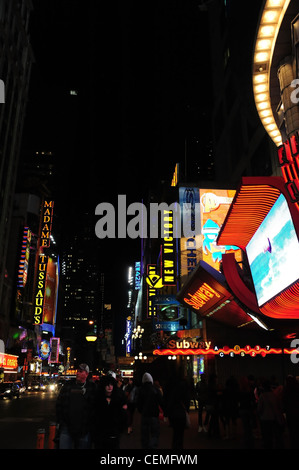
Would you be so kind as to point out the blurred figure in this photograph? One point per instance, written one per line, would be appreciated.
(149, 401)
(290, 397)
(212, 406)
(229, 407)
(131, 391)
(177, 400)
(202, 394)
(247, 411)
(271, 418)
(74, 411)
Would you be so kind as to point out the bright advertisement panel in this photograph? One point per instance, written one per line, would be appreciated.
(190, 248)
(51, 292)
(214, 205)
(273, 252)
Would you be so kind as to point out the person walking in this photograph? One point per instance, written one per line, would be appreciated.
(178, 404)
(74, 411)
(110, 414)
(131, 391)
(202, 397)
(290, 398)
(148, 402)
(271, 418)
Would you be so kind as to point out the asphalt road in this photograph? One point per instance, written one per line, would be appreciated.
(21, 418)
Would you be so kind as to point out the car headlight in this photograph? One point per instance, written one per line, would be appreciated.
(7, 391)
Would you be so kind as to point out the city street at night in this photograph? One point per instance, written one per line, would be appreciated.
(21, 419)
(149, 226)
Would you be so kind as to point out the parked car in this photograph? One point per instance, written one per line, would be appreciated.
(9, 390)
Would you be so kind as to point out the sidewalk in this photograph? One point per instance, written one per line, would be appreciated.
(193, 439)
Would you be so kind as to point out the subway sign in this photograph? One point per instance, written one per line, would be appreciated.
(203, 292)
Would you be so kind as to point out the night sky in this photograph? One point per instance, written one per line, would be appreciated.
(137, 70)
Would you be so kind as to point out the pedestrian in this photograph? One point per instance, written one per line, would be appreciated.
(110, 414)
(291, 409)
(148, 402)
(74, 411)
(131, 391)
(247, 411)
(271, 417)
(229, 407)
(212, 406)
(177, 407)
(202, 394)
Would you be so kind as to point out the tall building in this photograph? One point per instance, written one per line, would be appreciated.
(16, 61)
(81, 294)
(241, 145)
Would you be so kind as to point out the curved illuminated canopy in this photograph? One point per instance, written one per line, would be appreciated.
(268, 29)
(253, 200)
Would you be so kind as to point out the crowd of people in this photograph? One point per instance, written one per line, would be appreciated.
(263, 407)
(95, 415)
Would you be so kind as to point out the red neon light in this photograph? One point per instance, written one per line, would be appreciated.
(257, 351)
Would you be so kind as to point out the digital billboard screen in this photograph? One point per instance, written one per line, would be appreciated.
(273, 252)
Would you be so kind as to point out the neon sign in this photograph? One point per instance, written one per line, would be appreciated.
(201, 296)
(8, 361)
(24, 258)
(40, 291)
(224, 351)
(168, 250)
(288, 156)
(203, 292)
(153, 281)
(47, 223)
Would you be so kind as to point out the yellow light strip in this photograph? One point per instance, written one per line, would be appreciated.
(271, 19)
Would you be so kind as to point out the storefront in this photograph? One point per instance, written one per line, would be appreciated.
(8, 367)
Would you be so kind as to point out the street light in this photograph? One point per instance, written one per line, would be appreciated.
(137, 332)
(91, 335)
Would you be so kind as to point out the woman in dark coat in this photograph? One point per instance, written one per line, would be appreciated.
(110, 414)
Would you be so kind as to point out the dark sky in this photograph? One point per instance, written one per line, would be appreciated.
(137, 68)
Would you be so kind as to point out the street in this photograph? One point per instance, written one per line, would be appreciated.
(21, 418)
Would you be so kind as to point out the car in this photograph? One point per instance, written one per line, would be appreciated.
(33, 386)
(9, 390)
(21, 385)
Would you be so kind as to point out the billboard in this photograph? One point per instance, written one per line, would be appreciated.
(51, 292)
(190, 247)
(271, 253)
(215, 204)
